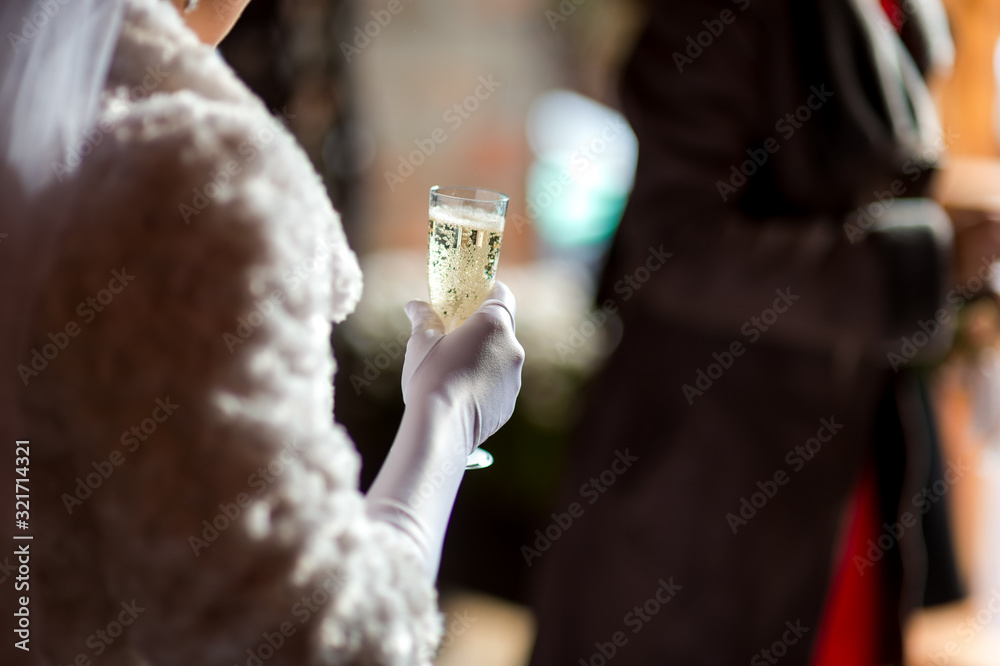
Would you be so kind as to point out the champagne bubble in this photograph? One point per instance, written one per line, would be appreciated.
(463, 253)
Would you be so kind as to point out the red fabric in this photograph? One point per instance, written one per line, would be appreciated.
(894, 11)
(849, 627)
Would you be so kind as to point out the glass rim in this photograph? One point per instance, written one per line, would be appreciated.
(450, 192)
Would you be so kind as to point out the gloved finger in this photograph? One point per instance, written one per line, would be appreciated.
(501, 298)
(423, 317)
(427, 331)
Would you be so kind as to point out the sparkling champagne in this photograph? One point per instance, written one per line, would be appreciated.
(463, 252)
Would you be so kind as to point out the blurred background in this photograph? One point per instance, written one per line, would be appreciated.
(390, 97)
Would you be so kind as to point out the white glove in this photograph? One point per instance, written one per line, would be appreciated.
(478, 365)
(459, 389)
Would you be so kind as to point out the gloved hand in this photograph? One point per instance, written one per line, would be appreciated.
(459, 389)
(478, 365)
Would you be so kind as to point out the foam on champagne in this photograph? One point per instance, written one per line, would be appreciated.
(468, 217)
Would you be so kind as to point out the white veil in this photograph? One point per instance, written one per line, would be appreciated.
(54, 59)
(54, 64)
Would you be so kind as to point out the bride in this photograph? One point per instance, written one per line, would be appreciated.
(192, 500)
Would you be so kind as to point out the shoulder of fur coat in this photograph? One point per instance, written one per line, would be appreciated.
(191, 479)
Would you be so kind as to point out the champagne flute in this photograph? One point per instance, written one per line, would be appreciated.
(463, 250)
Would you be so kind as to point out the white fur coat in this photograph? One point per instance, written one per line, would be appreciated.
(189, 482)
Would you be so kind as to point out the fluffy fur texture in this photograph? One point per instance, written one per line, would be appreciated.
(203, 199)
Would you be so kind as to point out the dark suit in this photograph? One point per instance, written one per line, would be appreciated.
(752, 380)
